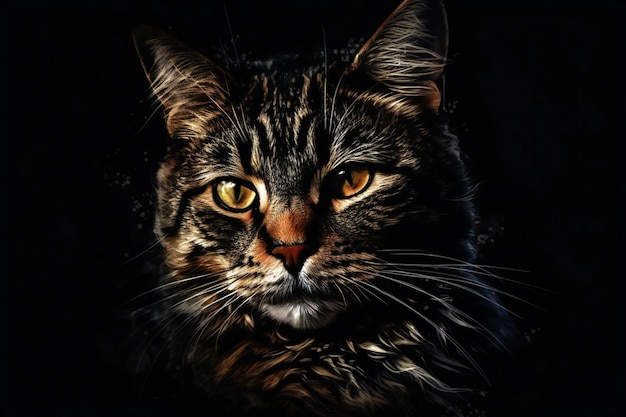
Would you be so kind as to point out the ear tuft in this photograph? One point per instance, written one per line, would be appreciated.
(144, 37)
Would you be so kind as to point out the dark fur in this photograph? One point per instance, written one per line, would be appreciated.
(391, 313)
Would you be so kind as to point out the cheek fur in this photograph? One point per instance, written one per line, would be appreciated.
(366, 218)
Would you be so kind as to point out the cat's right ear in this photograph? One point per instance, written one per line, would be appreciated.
(192, 89)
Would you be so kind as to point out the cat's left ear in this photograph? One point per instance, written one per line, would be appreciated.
(407, 53)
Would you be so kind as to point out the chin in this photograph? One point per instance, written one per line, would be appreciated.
(303, 314)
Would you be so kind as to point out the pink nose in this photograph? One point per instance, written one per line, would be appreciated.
(293, 256)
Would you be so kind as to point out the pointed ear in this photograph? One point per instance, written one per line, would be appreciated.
(191, 88)
(408, 51)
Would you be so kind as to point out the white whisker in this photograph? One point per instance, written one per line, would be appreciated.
(441, 332)
(232, 36)
(467, 319)
(332, 107)
(455, 282)
(145, 251)
(155, 108)
(325, 93)
(209, 320)
(162, 288)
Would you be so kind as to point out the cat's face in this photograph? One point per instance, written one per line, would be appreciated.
(287, 202)
(287, 180)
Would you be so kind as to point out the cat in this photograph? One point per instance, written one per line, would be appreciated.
(318, 229)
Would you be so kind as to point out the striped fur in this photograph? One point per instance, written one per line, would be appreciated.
(385, 311)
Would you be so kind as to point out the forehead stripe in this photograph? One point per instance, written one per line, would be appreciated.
(304, 132)
(263, 137)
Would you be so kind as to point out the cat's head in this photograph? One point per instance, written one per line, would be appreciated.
(289, 184)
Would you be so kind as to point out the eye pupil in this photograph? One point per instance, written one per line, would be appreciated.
(236, 192)
(351, 181)
(347, 177)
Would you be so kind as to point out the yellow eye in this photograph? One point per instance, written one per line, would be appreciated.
(350, 181)
(234, 196)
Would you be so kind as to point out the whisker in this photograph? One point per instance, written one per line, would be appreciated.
(467, 319)
(174, 283)
(449, 307)
(353, 284)
(432, 296)
(346, 112)
(476, 269)
(166, 330)
(333, 102)
(155, 108)
(242, 128)
(210, 319)
(232, 36)
(325, 94)
(143, 252)
(438, 272)
(199, 303)
(224, 324)
(234, 297)
(441, 332)
(457, 283)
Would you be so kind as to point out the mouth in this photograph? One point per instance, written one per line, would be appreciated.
(299, 302)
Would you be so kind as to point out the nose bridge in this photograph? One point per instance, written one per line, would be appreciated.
(289, 225)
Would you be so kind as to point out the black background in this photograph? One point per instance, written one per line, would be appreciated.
(536, 93)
